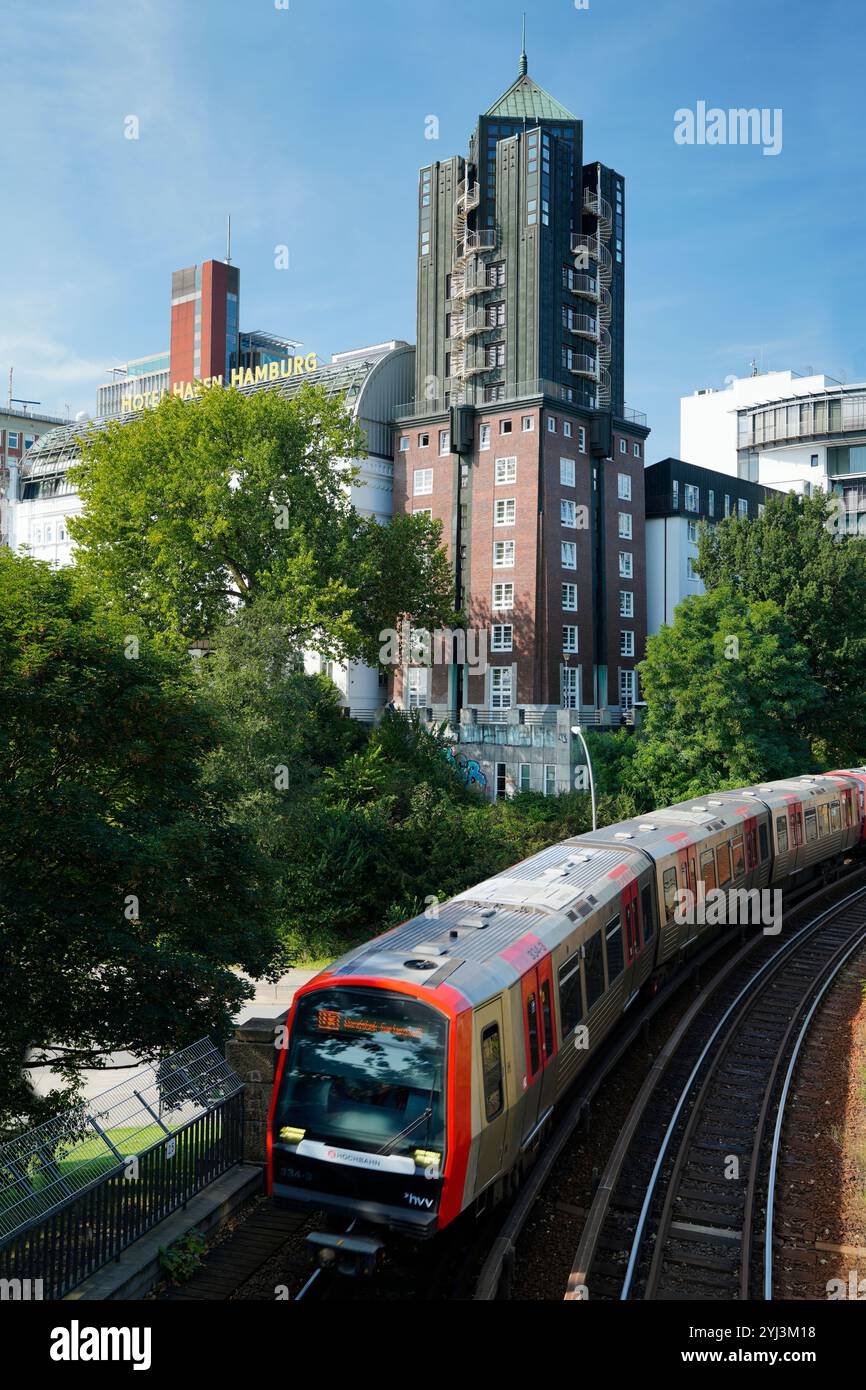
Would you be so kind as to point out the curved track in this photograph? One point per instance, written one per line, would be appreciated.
(681, 1208)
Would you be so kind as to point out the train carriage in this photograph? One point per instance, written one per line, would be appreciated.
(423, 1068)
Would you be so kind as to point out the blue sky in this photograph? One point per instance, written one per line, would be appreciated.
(307, 124)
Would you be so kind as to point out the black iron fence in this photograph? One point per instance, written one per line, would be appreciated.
(61, 1237)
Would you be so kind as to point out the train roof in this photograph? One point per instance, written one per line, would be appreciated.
(484, 938)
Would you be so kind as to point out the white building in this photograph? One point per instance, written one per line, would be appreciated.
(372, 381)
(794, 433)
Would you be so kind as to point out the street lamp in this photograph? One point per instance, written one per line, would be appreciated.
(576, 729)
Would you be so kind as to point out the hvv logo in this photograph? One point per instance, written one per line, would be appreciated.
(415, 1201)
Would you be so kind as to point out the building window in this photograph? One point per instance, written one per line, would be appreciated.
(505, 471)
(501, 637)
(727, 505)
(496, 275)
(423, 511)
(570, 687)
(626, 689)
(626, 642)
(692, 498)
(448, 364)
(581, 439)
(625, 564)
(500, 687)
(568, 513)
(61, 530)
(504, 510)
(711, 502)
(569, 639)
(494, 315)
(743, 508)
(503, 555)
(28, 441)
(692, 531)
(625, 526)
(423, 481)
(691, 570)
(623, 446)
(551, 424)
(448, 286)
(814, 461)
(527, 424)
(549, 779)
(626, 603)
(623, 487)
(525, 774)
(416, 687)
(404, 443)
(425, 241)
(569, 598)
(569, 555)
(494, 393)
(566, 472)
(444, 442)
(423, 441)
(13, 439)
(484, 437)
(675, 495)
(566, 428)
(504, 425)
(503, 597)
(494, 355)
(636, 450)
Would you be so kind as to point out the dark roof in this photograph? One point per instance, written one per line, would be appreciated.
(660, 477)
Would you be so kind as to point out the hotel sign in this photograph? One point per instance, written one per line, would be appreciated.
(243, 376)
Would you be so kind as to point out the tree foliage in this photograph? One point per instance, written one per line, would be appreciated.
(127, 894)
(794, 557)
(193, 509)
(730, 697)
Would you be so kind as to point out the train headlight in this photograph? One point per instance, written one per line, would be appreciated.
(290, 1134)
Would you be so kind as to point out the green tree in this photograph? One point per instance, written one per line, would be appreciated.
(127, 895)
(195, 508)
(729, 692)
(794, 556)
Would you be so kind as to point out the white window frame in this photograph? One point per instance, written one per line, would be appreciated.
(569, 591)
(623, 487)
(424, 439)
(568, 553)
(551, 424)
(416, 687)
(501, 637)
(569, 638)
(550, 779)
(626, 564)
(626, 642)
(567, 429)
(404, 443)
(627, 689)
(444, 443)
(636, 450)
(527, 423)
(581, 438)
(623, 446)
(423, 511)
(484, 437)
(567, 472)
(626, 603)
(504, 511)
(501, 687)
(505, 471)
(420, 480)
(524, 777)
(691, 497)
(625, 529)
(505, 593)
(569, 685)
(568, 513)
(503, 555)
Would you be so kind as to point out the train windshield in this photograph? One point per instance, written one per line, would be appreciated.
(365, 1069)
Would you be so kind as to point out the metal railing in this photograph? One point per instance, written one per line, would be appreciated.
(78, 1190)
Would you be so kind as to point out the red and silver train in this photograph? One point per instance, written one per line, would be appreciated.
(422, 1070)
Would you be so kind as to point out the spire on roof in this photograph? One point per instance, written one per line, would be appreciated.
(524, 66)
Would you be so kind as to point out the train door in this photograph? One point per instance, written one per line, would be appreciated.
(795, 819)
(539, 1037)
(494, 1108)
(631, 930)
(750, 836)
(689, 880)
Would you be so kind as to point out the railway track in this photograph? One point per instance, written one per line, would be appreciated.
(684, 1207)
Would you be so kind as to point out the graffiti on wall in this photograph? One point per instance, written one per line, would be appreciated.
(467, 769)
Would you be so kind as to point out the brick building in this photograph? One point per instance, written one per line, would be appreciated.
(520, 442)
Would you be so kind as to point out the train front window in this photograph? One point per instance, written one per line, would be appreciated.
(366, 1069)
